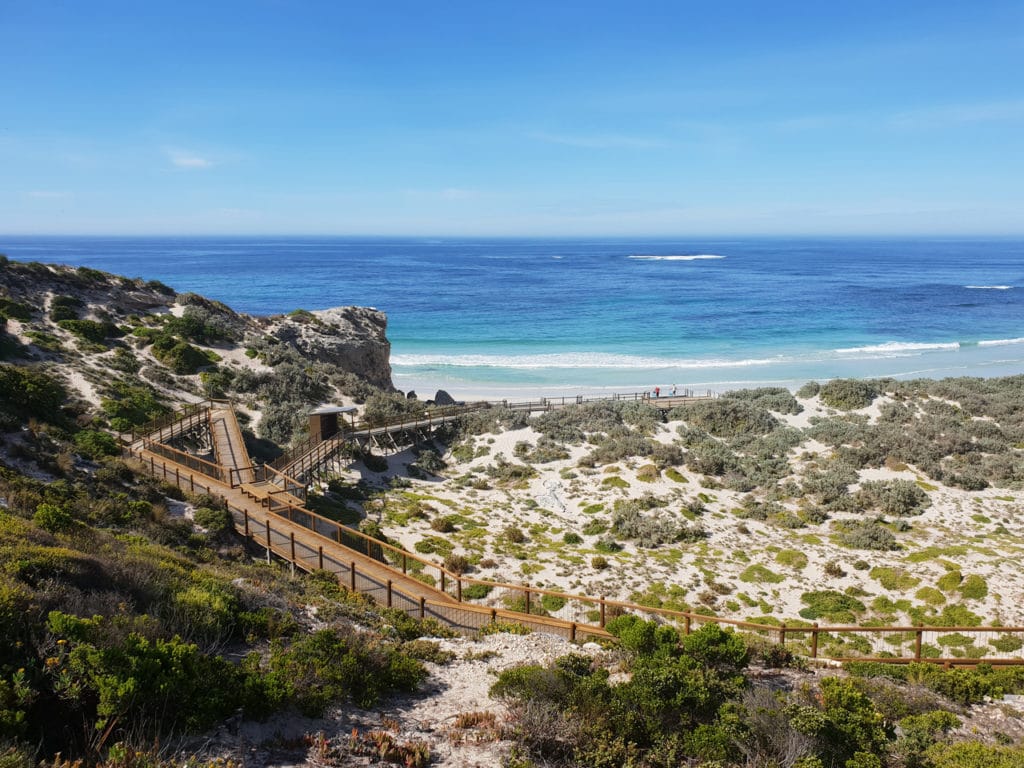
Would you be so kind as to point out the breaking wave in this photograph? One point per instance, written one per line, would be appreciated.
(694, 257)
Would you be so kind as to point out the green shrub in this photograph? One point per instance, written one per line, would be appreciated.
(93, 331)
(973, 587)
(426, 650)
(643, 637)
(894, 579)
(53, 518)
(776, 399)
(727, 417)
(15, 310)
(894, 497)
(180, 356)
(94, 444)
(132, 405)
(26, 392)
(793, 558)
(973, 754)
(866, 534)
(64, 308)
(758, 574)
(216, 520)
(329, 667)
(930, 595)
(476, 591)
(374, 463)
(848, 394)
(809, 390)
(145, 685)
(831, 605)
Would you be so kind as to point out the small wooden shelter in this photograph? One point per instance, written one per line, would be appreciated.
(326, 421)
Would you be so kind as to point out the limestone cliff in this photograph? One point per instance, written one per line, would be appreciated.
(351, 338)
(97, 330)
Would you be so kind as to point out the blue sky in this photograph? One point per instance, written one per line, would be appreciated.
(525, 118)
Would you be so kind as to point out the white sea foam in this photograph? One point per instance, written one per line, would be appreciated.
(572, 361)
(897, 348)
(1000, 342)
(694, 257)
(989, 287)
(610, 361)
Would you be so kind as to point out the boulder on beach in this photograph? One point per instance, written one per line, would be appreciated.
(443, 398)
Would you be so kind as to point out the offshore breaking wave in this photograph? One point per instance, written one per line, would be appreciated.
(602, 360)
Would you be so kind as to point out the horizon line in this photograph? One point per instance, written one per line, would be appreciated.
(520, 236)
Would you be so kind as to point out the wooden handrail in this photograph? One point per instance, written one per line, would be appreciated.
(314, 522)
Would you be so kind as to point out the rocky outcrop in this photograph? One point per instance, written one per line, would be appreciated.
(118, 296)
(351, 338)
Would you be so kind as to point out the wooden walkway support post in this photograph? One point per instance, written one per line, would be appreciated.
(814, 640)
(918, 639)
(268, 540)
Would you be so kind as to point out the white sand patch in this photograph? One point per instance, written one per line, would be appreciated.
(563, 496)
(83, 386)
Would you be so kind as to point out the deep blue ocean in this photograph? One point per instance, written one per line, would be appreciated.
(510, 317)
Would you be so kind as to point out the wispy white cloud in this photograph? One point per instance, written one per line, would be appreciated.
(183, 158)
(598, 141)
(947, 114)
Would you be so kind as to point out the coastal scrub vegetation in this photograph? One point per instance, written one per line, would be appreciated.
(691, 700)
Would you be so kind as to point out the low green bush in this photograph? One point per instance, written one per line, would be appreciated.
(848, 394)
(216, 520)
(93, 331)
(94, 444)
(831, 605)
(180, 356)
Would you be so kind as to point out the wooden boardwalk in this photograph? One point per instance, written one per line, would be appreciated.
(299, 544)
(285, 528)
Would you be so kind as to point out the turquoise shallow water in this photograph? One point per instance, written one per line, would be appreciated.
(525, 316)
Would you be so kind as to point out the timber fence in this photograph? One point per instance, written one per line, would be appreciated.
(571, 615)
(473, 603)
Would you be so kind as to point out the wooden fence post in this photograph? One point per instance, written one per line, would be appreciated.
(572, 632)
(686, 625)
(389, 593)
(404, 563)
(814, 640)
(268, 540)
(782, 633)
(292, 537)
(443, 584)
(527, 594)
(423, 607)
(602, 612)
(458, 590)
(352, 573)
(320, 555)
(918, 637)
(246, 513)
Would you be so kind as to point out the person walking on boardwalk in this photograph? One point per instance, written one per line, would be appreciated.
(673, 390)
(657, 391)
